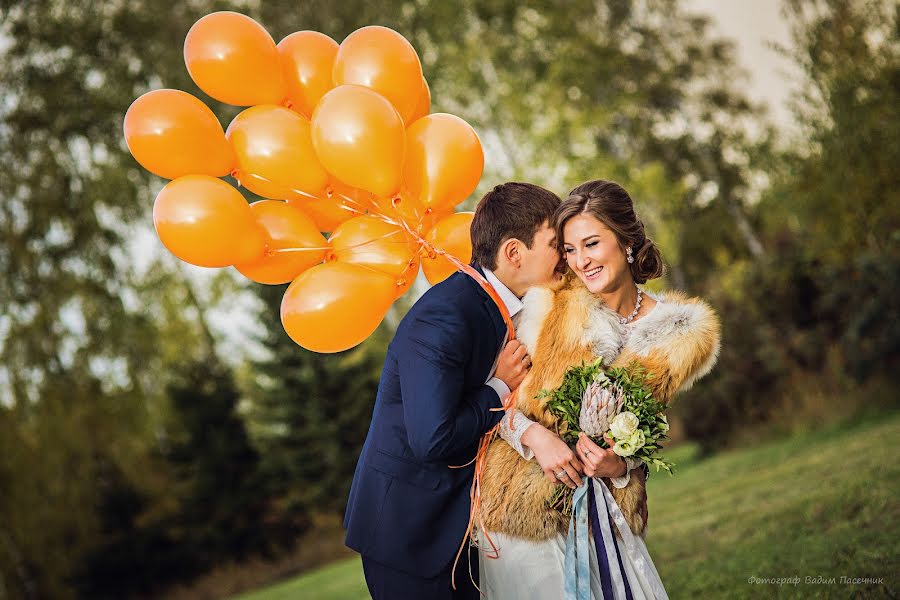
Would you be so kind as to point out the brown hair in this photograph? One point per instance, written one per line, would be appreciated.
(510, 210)
(609, 203)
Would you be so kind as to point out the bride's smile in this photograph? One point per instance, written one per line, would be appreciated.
(594, 254)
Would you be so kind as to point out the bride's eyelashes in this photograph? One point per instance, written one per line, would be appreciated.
(588, 245)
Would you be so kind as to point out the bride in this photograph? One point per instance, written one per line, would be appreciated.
(597, 311)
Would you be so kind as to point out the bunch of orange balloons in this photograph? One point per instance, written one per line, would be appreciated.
(359, 181)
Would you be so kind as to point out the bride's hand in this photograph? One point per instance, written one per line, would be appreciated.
(599, 462)
(559, 463)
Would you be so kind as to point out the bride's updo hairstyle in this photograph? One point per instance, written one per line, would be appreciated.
(610, 203)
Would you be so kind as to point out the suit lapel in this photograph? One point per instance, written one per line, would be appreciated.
(491, 308)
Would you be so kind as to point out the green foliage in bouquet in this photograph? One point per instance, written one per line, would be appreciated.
(565, 401)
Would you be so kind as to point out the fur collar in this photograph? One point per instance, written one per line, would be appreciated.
(677, 324)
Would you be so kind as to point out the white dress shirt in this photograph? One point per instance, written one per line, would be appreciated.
(514, 306)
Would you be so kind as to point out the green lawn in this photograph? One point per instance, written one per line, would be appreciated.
(820, 506)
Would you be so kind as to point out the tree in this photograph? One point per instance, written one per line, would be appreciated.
(310, 413)
(817, 313)
(84, 341)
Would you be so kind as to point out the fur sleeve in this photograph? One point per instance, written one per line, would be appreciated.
(678, 343)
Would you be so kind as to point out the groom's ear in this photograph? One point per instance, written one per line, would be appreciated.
(510, 252)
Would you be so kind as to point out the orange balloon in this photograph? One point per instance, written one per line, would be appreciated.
(424, 105)
(444, 161)
(359, 138)
(451, 235)
(275, 154)
(233, 58)
(353, 198)
(206, 222)
(335, 306)
(307, 60)
(383, 60)
(287, 228)
(401, 208)
(329, 210)
(371, 242)
(408, 277)
(171, 134)
(432, 218)
(325, 213)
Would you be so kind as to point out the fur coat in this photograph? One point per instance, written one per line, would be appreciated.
(561, 326)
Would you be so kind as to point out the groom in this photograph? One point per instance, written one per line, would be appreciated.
(447, 369)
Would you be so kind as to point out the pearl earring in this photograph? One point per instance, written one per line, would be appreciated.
(628, 252)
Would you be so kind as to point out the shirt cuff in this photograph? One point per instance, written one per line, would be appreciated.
(631, 463)
(500, 387)
(512, 431)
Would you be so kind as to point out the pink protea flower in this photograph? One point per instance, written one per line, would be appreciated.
(602, 401)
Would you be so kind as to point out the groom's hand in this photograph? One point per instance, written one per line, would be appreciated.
(513, 365)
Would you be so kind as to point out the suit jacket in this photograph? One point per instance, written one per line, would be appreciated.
(407, 508)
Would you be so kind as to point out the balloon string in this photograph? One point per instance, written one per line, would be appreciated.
(296, 192)
(413, 265)
(238, 174)
(359, 207)
(374, 209)
(351, 247)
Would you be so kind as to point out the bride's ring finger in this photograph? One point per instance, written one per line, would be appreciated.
(588, 458)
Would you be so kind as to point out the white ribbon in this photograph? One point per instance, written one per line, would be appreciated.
(634, 545)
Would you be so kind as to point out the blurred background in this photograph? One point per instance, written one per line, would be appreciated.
(162, 437)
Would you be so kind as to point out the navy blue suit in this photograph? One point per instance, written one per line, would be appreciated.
(408, 510)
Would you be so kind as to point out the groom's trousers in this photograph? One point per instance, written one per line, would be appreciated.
(386, 583)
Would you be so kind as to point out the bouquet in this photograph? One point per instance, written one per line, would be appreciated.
(617, 400)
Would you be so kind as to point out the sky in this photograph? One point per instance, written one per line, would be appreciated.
(753, 25)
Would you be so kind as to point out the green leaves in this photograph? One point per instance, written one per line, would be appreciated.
(565, 401)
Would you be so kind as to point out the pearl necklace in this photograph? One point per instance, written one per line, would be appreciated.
(637, 307)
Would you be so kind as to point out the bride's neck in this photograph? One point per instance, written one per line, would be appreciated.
(622, 299)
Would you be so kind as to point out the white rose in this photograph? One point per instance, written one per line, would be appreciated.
(623, 425)
(630, 445)
(624, 448)
(638, 438)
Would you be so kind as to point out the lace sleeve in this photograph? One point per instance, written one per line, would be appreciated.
(513, 433)
(633, 463)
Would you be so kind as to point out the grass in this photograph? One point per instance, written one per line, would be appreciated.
(337, 581)
(822, 506)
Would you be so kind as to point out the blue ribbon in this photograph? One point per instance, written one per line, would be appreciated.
(577, 562)
(578, 552)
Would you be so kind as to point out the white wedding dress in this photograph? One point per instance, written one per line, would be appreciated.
(529, 570)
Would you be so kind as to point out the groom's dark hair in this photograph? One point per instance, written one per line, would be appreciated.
(510, 210)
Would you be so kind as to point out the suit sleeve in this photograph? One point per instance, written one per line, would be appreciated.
(441, 416)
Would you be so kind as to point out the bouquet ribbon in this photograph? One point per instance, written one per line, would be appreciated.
(594, 502)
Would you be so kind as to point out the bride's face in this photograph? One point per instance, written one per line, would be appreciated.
(594, 254)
